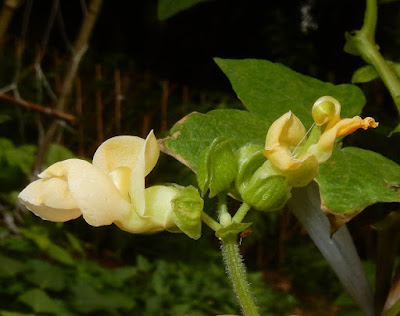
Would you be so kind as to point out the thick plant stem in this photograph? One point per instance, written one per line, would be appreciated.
(237, 274)
(364, 43)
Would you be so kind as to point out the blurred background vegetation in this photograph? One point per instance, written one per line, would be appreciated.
(139, 73)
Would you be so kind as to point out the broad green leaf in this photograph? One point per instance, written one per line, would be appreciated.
(354, 178)
(41, 302)
(191, 135)
(272, 89)
(168, 8)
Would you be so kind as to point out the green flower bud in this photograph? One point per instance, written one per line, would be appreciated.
(257, 180)
(217, 167)
(187, 206)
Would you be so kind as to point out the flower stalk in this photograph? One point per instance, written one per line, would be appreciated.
(237, 274)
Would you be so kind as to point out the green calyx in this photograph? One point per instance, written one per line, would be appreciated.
(258, 184)
(217, 167)
(187, 207)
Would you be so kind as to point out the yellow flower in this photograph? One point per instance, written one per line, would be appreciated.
(289, 151)
(110, 190)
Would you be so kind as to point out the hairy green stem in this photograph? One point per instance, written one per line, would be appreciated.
(237, 274)
(241, 212)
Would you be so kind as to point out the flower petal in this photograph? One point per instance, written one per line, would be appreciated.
(284, 133)
(122, 151)
(158, 215)
(323, 149)
(93, 191)
(326, 110)
(50, 199)
(147, 156)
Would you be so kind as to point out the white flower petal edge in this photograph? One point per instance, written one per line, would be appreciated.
(50, 199)
(123, 151)
(93, 191)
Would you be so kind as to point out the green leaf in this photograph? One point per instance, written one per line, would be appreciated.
(45, 275)
(43, 241)
(354, 178)
(368, 73)
(10, 267)
(168, 8)
(194, 133)
(364, 74)
(217, 167)
(40, 302)
(87, 298)
(272, 89)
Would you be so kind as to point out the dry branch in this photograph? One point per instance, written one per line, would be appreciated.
(39, 108)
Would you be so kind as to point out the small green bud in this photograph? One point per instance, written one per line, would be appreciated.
(258, 182)
(187, 206)
(250, 158)
(266, 194)
(217, 167)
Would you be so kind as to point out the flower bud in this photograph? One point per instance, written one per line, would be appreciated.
(258, 182)
(217, 167)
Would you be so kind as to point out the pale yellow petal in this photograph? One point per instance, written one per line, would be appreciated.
(50, 199)
(122, 151)
(283, 135)
(305, 173)
(323, 149)
(93, 191)
(158, 214)
(326, 110)
(144, 159)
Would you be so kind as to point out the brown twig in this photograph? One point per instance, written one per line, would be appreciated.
(38, 108)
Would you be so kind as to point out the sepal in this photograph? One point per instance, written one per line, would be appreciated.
(187, 206)
(232, 229)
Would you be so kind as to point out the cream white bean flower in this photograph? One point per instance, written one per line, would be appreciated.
(109, 190)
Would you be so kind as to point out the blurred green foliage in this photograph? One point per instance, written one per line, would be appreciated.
(41, 277)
